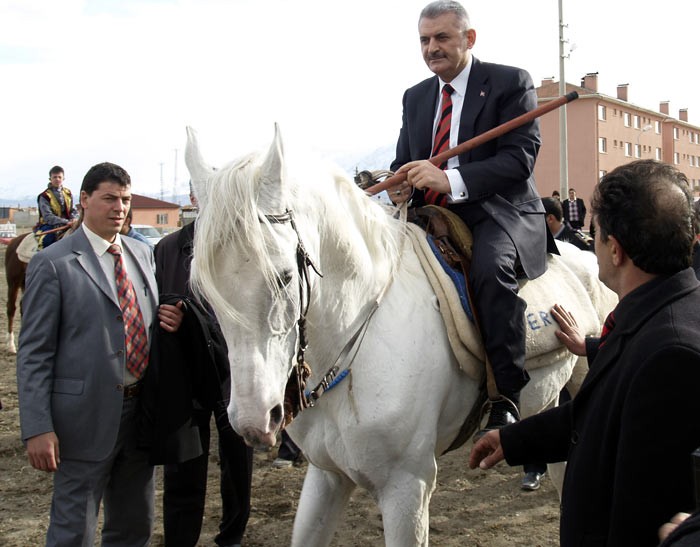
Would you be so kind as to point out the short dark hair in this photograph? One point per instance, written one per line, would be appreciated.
(55, 170)
(104, 172)
(646, 205)
(553, 207)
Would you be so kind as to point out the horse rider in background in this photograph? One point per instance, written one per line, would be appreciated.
(56, 208)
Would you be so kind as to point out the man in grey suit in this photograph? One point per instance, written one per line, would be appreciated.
(77, 381)
(490, 187)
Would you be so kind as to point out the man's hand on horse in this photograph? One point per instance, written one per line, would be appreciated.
(422, 174)
(570, 334)
(42, 451)
(487, 451)
(170, 316)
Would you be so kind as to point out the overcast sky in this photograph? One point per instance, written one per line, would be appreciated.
(85, 81)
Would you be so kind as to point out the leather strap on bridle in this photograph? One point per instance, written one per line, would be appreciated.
(295, 398)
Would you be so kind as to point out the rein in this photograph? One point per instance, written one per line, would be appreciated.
(295, 398)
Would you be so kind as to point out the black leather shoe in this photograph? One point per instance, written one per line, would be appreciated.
(501, 413)
(531, 480)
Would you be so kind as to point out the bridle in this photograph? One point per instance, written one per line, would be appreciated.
(295, 398)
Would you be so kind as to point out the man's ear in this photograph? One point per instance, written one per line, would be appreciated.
(617, 253)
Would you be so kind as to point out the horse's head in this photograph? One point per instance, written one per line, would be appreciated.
(248, 264)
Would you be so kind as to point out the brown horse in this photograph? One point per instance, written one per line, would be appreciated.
(15, 270)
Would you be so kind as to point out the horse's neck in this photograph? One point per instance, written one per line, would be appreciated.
(354, 276)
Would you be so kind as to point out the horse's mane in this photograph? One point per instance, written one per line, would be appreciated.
(231, 217)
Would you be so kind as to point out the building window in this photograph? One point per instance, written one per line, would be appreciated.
(636, 122)
(628, 149)
(658, 154)
(676, 158)
(675, 133)
(162, 218)
(637, 151)
(628, 119)
(657, 126)
(602, 145)
(602, 112)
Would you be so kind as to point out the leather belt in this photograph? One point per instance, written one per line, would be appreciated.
(132, 390)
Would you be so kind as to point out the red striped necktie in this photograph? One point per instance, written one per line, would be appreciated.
(136, 340)
(442, 141)
(608, 326)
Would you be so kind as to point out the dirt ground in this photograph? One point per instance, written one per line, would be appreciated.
(469, 508)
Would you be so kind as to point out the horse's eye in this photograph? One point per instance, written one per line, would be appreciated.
(284, 278)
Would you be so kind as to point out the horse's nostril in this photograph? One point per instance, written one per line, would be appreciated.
(276, 415)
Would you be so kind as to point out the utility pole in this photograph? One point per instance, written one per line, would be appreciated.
(563, 152)
(175, 178)
(162, 188)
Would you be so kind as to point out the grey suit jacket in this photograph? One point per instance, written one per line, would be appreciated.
(71, 357)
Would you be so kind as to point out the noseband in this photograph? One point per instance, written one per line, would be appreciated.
(295, 399)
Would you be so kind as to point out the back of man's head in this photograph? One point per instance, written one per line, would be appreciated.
(553, 207)
(646, 205)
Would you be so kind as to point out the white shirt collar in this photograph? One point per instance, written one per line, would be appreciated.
(460, 81)
(99, 244)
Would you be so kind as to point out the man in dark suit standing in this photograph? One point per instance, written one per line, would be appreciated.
(185, 482)
(574, 210)
(90, 301)
(490, 187)
(644, 372)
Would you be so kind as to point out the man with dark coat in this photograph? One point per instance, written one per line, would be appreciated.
(629, 434)
(185, 481)
(490, 188)
(559, 230)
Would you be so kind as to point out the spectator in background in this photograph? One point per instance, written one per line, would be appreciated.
(558, 229)
(574, 210)
(128, 230)
(56, 209)
(556, 195)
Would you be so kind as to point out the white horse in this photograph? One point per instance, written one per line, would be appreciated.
(265, 233)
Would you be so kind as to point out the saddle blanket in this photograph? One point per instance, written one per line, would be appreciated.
(559, 284)
(27, 248)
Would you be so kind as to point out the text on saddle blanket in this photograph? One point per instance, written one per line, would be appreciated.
(558, 285)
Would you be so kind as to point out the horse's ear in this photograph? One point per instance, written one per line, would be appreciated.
(199, 170)
(272, 172)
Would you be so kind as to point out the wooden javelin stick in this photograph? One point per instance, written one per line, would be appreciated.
(480, 139)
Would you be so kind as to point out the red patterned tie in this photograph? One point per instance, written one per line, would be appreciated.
(442, 142)
(136, 340)
(608, 326)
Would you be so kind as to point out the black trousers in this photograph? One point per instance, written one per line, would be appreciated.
(185, 486)
(500, 310)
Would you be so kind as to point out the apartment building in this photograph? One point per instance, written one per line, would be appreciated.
(604, 132)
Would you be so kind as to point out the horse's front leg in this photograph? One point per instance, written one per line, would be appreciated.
(405, 505)
(12, 293)
(322, 502)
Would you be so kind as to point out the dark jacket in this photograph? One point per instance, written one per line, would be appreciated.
(191, 364)
(498, 174)
(628, 435)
